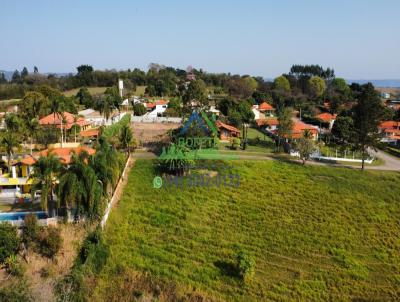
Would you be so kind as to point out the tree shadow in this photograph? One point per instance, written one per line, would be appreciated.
(227, 268)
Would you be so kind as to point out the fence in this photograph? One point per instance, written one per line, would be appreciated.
(158, 119)
(42, 222)
(117, 192)
(318, 156)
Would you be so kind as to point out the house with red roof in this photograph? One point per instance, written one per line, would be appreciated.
(390, 131)
(270, 124)
(327, 118)
(157, 108)
(226, 132)
(266, 109)
(66, 119)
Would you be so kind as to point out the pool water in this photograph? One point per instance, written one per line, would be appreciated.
(21, 215)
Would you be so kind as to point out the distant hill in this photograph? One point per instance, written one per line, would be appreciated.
(9, 74)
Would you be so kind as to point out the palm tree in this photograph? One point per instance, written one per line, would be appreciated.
(31, 126)
(45, 175)
(9, 142)
(79, 187)
(56, 108)
(126, 138)
(106, 165)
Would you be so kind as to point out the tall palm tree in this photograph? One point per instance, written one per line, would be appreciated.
(106, 165)
(126, 138)
(9, 142)
(79, 187)
(31, 126)
(45, 174)
(56, 108)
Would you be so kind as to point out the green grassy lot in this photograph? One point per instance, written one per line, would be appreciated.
(139, 90)
(92, 90)
(257, 142)
(317, 234)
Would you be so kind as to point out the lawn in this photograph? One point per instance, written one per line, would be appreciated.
(257, 142)
(92, 90)
(317, 234)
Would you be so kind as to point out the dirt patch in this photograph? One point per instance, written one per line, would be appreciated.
(147, 133)
(43, 273)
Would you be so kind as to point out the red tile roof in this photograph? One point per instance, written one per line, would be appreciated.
(389, 125)
(268, 122)
(64, 154)
(265, 106)
(326, 117)
(227, 127)
(68, 120)
(89, 133)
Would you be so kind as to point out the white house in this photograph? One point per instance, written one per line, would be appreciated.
(97, 119)
(157, 108)
(257, 114)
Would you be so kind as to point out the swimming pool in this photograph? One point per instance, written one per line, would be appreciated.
(21, 215)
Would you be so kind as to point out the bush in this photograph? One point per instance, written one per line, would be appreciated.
(16, 291)
(31, 229)
(235, 143)
(50, 241)
(13, 266)
(245, 265)
(9, 241)
(139, 109)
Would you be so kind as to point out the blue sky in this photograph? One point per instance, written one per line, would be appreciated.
(359, 39)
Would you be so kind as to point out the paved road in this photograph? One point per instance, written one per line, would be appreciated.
(390, 163)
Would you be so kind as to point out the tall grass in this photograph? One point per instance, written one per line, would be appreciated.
(316, 233)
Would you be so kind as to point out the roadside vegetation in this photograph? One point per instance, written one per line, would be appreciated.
(336, 238)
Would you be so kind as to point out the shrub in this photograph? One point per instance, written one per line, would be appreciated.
(245, 265)
(31, 229)
(15, 291)
(13, 266)
(235, 143)
(50, 241)
(9, 241)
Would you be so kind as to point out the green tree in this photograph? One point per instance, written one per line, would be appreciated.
(85, 75)
(46, 172)
(31, 127)
(85, 98)
(285, 126)
(16, 76)
(9, 141)
(106, 165)
(126, 138)
(139, 109)
(306, 146)
(9, 241)
(196, 91)
(33, 105)
(35, 70)
(24, 72)
(367, 115)
(317, 86)
(281, 83)
(3, 79)
(245, 264)
(343, 128)
(79, 187)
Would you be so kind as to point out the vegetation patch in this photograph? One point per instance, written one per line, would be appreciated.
(308, 233)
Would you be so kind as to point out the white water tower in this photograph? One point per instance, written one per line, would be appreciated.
(120, 87)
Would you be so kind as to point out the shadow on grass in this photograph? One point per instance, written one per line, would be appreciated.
(227, 268)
